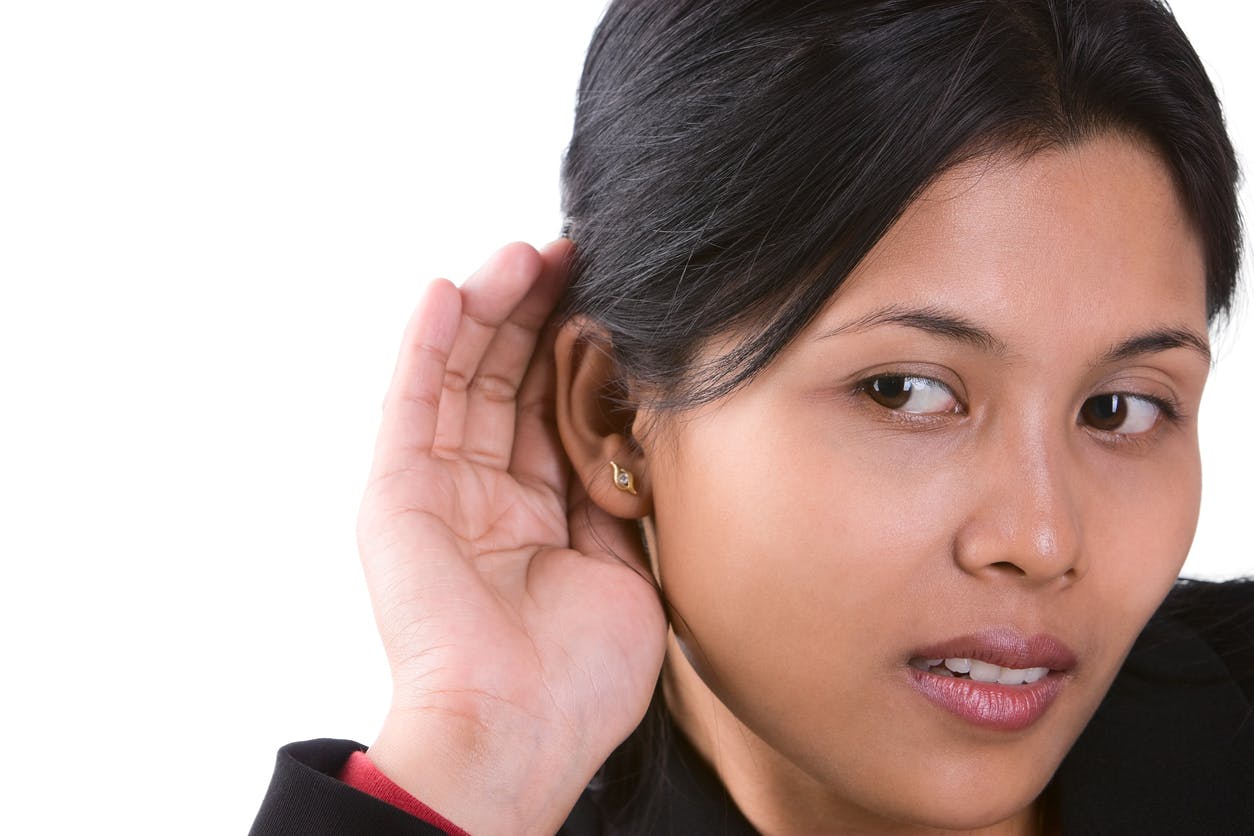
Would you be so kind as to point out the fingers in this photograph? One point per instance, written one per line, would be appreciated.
(505, 306)
(518, 350)
(411, 407)
(464, 358)
(488, 298)
(537, 455)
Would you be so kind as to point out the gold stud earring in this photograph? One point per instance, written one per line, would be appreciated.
(623, 479)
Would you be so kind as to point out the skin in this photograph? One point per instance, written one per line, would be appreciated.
(1003, 510)
(523, 638)
(513, 596)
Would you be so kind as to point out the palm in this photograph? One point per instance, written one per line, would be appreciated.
(498, 587)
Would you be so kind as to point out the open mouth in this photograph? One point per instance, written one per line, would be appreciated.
(998, 678)
(979, 671)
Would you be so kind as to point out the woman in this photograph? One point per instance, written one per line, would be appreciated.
(875, 381)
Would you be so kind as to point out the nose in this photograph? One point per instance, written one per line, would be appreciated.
(1025, 520)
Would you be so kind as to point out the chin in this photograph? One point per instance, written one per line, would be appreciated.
(958, 810)
(957, 799)
(939, 790)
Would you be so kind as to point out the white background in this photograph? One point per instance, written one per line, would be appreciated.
(214, 219)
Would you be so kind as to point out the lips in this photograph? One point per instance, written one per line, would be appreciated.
(997, 679)
(1004, 648)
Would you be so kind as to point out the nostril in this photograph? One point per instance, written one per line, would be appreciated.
(1007, 566)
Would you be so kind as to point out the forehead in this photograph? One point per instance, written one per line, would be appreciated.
(1093, 235)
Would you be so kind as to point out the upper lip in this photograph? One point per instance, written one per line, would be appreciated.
(1005, 647)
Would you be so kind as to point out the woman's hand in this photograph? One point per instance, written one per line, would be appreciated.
(523, 636)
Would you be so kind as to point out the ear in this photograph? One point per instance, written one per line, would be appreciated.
(594, 424)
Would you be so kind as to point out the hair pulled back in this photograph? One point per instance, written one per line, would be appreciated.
(733, 160)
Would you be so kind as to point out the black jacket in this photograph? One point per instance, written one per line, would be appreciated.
(1169, 751)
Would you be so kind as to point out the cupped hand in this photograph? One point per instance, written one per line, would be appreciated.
(522, 632)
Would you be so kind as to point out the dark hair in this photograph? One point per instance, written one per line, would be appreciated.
(733, 161)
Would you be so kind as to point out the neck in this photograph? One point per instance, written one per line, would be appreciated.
(773, 793)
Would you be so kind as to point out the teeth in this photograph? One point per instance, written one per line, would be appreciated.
(979, 671)
(1010, 676)
(983, 671)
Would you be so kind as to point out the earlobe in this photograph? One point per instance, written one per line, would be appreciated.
(594, 423)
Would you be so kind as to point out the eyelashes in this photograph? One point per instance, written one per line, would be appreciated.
(1118, 415)
(911, 394)
(1126, 414)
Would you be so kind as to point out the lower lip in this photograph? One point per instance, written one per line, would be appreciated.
(988, 704)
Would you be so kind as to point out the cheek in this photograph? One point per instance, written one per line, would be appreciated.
(1140, 520)
(803, 558)
(779, 556)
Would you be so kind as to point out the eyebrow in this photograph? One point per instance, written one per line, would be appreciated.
(1163, 339)
(933, 320)
(951, 326)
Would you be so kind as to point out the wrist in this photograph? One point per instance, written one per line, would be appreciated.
(485, 778)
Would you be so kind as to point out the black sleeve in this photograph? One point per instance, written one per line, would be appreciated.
(304, 799)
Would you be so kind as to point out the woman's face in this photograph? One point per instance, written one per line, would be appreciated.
(985, 447)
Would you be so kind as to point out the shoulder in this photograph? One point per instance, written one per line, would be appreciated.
(1219, 616)
(1171, 747)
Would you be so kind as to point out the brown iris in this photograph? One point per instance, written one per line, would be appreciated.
(890, 392)
(1105, 412)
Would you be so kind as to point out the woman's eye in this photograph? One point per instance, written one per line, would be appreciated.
(916, 395)
(1123, 414)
